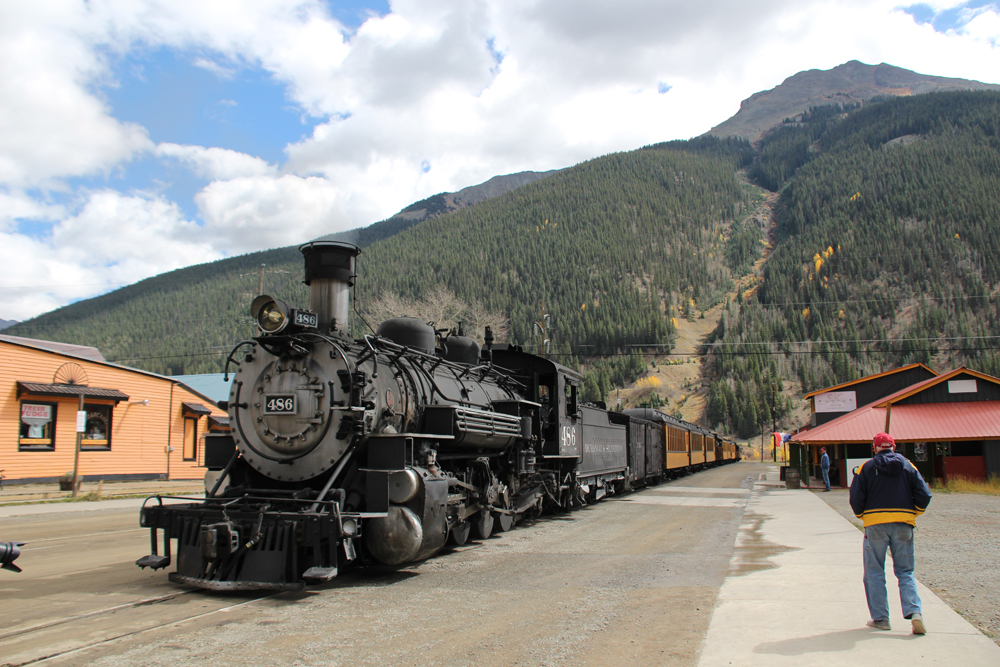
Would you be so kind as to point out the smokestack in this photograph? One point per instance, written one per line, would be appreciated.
(330, 273)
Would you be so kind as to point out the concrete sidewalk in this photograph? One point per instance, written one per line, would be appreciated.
(31, 493)
(794, 596)
(25, 499)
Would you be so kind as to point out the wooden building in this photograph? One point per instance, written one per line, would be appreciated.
(946, 425)
(136, 425)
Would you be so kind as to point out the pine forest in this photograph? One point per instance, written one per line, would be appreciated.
(880, 247)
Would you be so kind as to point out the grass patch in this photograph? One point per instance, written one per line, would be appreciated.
(965, 485)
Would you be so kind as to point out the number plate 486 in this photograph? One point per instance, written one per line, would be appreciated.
(283, 404)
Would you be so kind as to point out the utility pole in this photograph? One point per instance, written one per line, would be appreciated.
(543, 328)
(260, 281)
(774, 428)
(81, 426)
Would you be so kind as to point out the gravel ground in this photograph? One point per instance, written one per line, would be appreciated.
(628, 581)
(958, 554)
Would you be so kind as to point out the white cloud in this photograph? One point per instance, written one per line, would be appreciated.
(435, 96)
(18, 205)
(51, 126)
(216, 163)
(255, 212)
(112, 240)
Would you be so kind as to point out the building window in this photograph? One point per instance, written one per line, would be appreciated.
(38, 427)
(97, 435)
(190, 439)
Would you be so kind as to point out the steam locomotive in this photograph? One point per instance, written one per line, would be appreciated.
(390, 446)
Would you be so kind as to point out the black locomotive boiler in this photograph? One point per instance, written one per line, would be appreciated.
(389, 446)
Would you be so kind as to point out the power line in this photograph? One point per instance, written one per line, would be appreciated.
(167, 356)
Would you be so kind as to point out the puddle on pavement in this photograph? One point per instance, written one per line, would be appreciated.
(755, 553)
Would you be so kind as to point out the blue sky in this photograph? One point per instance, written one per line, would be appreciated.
(179, 102)
(953, 18)
(139, 137)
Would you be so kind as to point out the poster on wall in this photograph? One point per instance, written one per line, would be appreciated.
(836, 401)
(36, 417)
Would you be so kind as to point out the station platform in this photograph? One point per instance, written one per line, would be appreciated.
(794, 596)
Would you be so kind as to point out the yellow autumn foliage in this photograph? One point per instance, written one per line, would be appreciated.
(650, 382)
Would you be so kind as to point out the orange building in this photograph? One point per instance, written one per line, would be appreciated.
(136, 425)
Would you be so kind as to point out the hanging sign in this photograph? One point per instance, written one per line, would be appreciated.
(836, 401)
(81, 421)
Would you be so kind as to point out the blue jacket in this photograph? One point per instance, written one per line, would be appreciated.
(888, 489)
(824, 461)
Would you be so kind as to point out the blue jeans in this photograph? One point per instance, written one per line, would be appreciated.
(826, 478)
(898, 538)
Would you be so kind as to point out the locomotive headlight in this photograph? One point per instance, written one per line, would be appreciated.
(350, 527)
(271, 314)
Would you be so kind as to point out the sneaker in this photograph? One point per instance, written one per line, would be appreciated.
(918, 624)
(881, 625)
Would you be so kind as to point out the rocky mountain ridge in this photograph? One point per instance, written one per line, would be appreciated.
(850, 84)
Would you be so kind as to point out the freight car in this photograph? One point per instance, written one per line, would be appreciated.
(386, 447)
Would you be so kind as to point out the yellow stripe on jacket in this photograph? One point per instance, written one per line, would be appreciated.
(890, 515)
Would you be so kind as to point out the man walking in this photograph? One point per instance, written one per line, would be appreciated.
(888, 494)
(824, 464)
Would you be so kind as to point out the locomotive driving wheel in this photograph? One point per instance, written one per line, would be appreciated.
(459, 533)
(482, 525)
(504, 520)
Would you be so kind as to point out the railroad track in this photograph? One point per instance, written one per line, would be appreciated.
(80, 588)
(48, 657)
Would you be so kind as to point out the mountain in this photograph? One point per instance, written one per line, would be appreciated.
(609, 248)
(449, 202)
(436, 205)
(850, 84)
(7, 323)
(887, 252)
(849, 239)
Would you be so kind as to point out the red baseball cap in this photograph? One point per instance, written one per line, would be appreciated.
(883, 441)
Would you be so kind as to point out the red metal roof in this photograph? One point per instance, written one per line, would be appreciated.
(975, 420)
(972, 420)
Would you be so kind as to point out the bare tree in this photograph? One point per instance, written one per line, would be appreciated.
(444, 310)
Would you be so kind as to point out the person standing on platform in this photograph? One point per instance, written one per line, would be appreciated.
(824, 465)
(888, 494)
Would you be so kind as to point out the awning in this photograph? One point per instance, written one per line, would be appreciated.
(196, 409)
(68, 390)
(216, 423)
